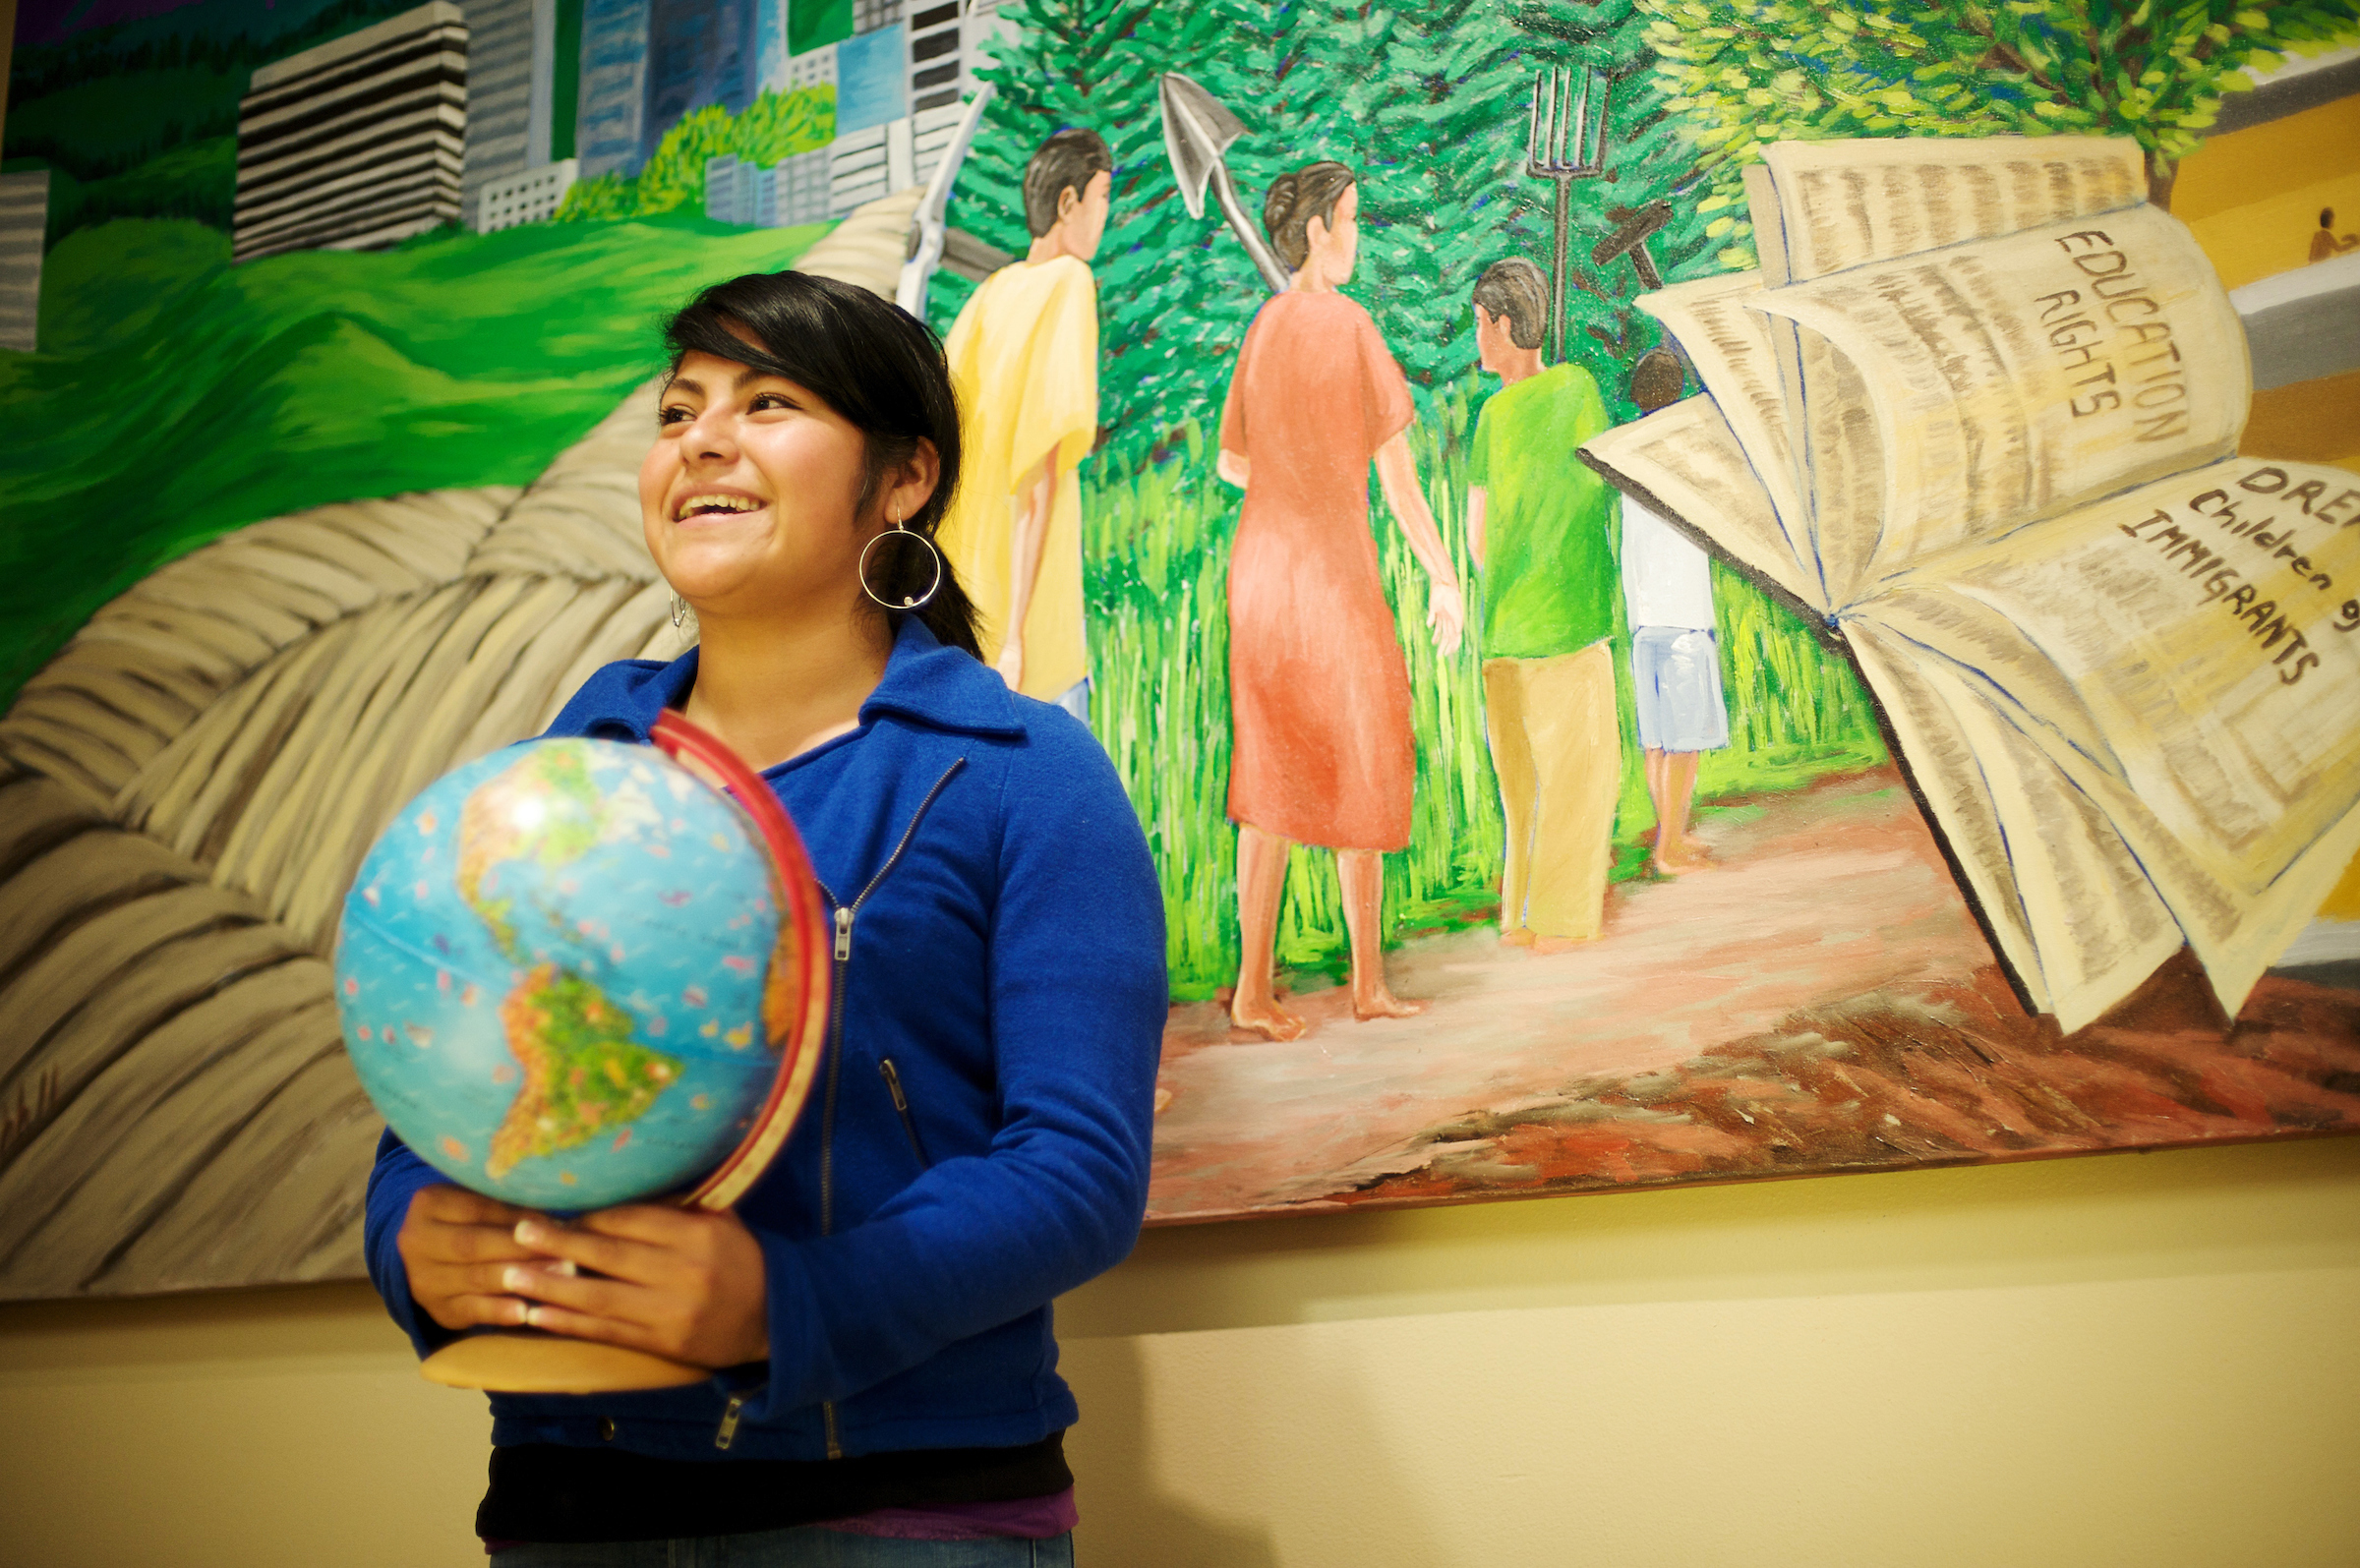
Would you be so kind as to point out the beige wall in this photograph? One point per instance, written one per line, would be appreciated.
(2140, 1360)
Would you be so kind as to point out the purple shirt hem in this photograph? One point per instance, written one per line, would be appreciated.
(1027, 1518)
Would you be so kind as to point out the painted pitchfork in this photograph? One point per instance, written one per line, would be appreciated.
(1568, 143)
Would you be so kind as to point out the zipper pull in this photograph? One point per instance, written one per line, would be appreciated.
(893, 1085)
(843, 933)
(728, 1432)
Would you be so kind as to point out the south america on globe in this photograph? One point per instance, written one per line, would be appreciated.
(559, 972)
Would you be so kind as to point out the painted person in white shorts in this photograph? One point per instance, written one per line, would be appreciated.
(1674, 656)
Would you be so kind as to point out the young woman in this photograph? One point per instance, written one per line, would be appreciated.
(1318, 691)
(875, 1312)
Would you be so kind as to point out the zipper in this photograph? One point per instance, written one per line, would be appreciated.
(845, 913)
(727, 1431)
(843, 955)
(901, 1105)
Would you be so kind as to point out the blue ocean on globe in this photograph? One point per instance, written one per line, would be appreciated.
(551, 974)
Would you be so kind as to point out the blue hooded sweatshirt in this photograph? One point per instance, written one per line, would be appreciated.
(998, 936)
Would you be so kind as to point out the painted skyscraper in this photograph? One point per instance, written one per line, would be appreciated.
(24, 221)
(614, 93)
(357, 143)
(698, 52)
(500, 92)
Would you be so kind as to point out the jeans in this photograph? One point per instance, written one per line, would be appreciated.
(807, 1546)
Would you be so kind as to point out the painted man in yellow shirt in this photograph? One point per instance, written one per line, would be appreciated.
(1024, 363)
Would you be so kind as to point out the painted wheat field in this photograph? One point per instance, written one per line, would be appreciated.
(1157, 554)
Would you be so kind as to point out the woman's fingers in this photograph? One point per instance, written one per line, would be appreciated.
(614, 1255)
(494, 1312)
(586, 1325)
(657, 1224)
(469, 1244)
(678, 1282)
(614, 1311)
(456, 1205)
(602, 1297)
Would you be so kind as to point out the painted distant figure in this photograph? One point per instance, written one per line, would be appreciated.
(2325, 241)
(1317, 686)
(1024, 358)
(1675, 654)
(1537, 522)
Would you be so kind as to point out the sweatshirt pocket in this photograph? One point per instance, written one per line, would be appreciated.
(901, 1108)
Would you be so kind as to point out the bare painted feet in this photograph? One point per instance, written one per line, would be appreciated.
(1547, 945)
(1683, 855)
(1265, 1018)
(1516, 936)
(1379, 1002)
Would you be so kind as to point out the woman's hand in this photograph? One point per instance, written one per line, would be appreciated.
(458, 1247)
(1447, 614)
(675, 1282)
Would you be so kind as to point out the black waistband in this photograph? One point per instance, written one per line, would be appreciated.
(554, 1492)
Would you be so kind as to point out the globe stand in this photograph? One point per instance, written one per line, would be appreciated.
(524, 1362)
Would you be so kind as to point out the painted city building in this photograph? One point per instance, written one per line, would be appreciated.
(358, 142)
(528, 197)
(23, 220)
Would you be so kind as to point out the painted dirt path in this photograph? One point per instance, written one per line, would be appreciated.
(1820, 1000)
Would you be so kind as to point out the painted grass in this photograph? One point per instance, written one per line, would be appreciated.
(179, 397)
(1158, 538)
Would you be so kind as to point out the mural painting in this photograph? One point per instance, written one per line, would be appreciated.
(1667, 608)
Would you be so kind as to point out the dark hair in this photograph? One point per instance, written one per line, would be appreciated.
(1519, 290)
(1310, 192)
(877, 366)
(1066, 161)
(1657, 378)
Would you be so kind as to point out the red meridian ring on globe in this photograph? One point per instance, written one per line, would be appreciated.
(799, 956)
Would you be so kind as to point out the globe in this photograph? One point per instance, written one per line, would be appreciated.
(564, 972)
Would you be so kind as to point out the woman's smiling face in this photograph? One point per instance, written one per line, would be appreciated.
(747, 496)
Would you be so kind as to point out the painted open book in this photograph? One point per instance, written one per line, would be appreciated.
(1976, 415)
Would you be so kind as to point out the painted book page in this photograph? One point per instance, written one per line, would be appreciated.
(1955, 788)
(1769, 228)
(1842, 203)
(1997, 383)
(1730, 347)
(1687, 465)
(2208, 628)
(2060, 894)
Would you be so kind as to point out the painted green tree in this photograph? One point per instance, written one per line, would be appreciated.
(1745, 73)
(1431, 106)
(775, 126)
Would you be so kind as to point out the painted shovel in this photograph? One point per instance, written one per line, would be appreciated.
(1196, 132)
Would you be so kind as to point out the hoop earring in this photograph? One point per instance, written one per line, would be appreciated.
(680, 610)
(912, 601)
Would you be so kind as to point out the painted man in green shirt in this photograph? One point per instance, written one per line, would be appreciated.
(1538, 524)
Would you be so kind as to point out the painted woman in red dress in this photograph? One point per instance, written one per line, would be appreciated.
(1318, 688)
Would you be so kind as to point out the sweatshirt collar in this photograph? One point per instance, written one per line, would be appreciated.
(941, 687)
